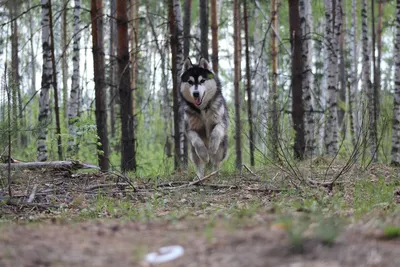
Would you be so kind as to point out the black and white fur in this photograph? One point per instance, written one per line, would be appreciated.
(205, 115)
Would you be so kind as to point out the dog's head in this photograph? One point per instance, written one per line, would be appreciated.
(198, 84)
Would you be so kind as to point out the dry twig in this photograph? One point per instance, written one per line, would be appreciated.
(33, 194)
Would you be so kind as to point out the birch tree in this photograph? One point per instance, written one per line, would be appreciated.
(55, 87)
(366, 81)
(64, 59)
(396, 96)
(332, 32)
(306, 21)
(44, 97)
(353, 74)
(75, 81)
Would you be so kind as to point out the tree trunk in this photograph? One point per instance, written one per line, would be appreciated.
(134, 57)
(175, 23)
(353, 75)
(342, 73)
(128, 160)
(15, 76)
(296, 84)
(261, 88)
(203, 28)
(366, 82)
(214, 34)
(377, 71)
(64, 60)
(113, 68)
(32, 75)
(308, 77)
(75, 80)
(332, 32)
(187, 6)
(44, 98)
(248, 86)
(237, 73)
(396, 101)
(99, 84)
(273, 97)
(56, 103)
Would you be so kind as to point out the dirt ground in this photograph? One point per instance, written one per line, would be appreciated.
(43, 236)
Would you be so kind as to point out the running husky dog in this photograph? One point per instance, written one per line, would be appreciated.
(205, 115)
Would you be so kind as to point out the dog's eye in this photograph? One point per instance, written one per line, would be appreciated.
(202, 81)
(190, 82)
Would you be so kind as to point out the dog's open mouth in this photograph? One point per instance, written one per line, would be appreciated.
(197, 99)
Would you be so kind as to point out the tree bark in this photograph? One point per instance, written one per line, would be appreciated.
(353, 75)
(187, 6)
(366, 82)
(203, 28)
(332, 32)
(296, 84)
(214, 34)
(55, 88)
(273, 96)
(248, 85)
(113, 68)
(308, 77)
(99, 83)
(125, 92)
(396, 96)
(64, 60)
(176, 42)
(237, 73)
(44, 97)
(75, 80)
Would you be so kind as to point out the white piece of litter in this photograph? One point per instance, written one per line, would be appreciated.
(165, 254)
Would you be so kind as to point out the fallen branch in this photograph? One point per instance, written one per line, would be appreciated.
(328, 184)
(193, 183)
(99, 186)
(250, 171)
(19, 204)
(203, 179)
(70, 165)
(126, 179)
(33, 194)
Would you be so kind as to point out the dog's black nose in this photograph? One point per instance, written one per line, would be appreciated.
(196, 94)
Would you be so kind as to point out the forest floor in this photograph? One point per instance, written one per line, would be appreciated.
(253, 219)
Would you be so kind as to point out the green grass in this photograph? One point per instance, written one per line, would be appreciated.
(391, 232)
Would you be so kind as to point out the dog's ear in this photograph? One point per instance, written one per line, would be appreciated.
(187, 65)
(204, 64)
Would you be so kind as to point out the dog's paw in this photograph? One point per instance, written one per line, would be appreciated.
(202, 152)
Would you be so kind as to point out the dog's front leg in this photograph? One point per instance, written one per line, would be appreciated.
(215, 139)
(199, 146)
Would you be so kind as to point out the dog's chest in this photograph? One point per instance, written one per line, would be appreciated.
(203, 122)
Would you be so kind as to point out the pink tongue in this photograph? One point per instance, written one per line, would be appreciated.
(197, 101)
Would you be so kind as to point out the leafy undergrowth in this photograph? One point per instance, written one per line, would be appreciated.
(364, 202)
